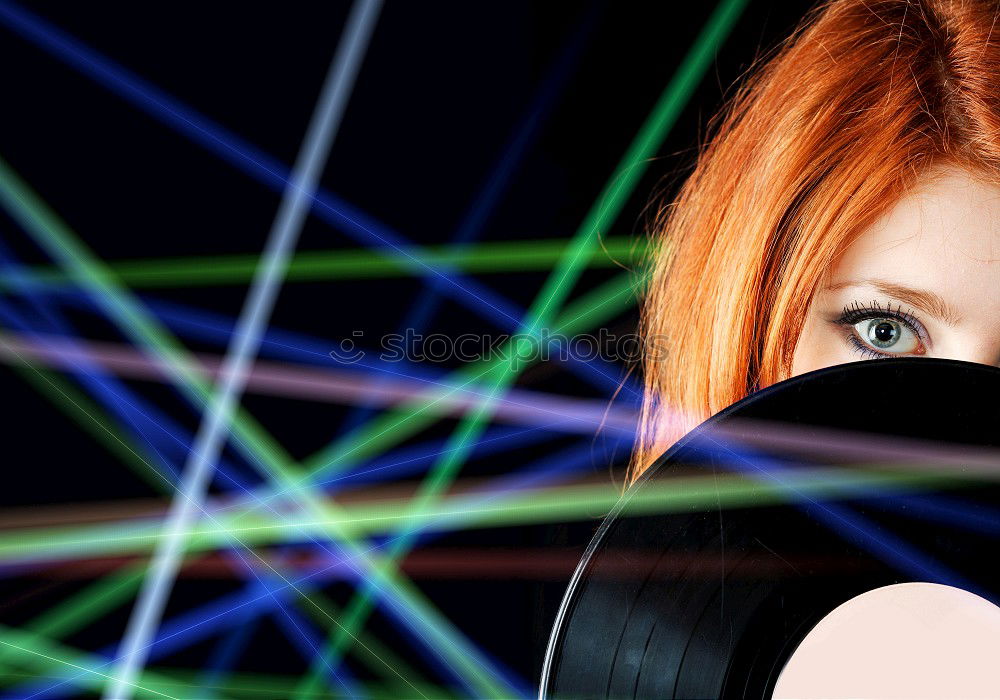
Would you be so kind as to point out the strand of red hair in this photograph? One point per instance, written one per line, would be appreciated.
(820, 139)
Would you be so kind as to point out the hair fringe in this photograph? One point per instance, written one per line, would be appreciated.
(819, 137)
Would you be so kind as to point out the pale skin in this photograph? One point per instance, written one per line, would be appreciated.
(942, 241)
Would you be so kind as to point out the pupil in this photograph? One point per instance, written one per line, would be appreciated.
(884, 332)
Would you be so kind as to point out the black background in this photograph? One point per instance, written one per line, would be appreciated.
(443, 88)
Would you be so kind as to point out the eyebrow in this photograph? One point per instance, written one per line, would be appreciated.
(926, 301)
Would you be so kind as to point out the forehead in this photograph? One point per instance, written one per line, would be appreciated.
(944, 236)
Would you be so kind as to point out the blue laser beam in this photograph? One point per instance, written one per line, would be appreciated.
(197, 624)
(474, 220)
(205, 326)
(264, 288)
(297, 629)
(849, 524)
(338, 213)
(96, 385)
(435, 632)
(216, 328)
(107, 389)
(226, 653)
(973, 517)
(44, 312)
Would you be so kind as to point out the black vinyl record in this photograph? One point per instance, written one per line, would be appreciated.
(853, 477)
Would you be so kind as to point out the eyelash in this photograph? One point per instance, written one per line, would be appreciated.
(856, 312)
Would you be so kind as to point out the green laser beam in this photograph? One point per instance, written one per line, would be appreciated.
(183, 683)
(600, 304)
(604, 301)
(180, 683)
(39, 654)
(504, 509)
(558, 285)
(101, 284)
(77, 611)
(250, 438)
(269, 686)
(609, 298)
(105, 595)
(348, 264)
(612, 297)
(81, 608)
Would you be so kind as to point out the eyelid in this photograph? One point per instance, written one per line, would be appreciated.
(856, 312)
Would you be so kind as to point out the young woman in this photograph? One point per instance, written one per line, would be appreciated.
(846, 207)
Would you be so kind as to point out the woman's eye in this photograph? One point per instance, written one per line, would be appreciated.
(887, 335)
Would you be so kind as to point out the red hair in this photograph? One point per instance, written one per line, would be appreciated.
(823, 137)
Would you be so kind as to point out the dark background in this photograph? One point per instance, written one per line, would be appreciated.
(444, 88)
